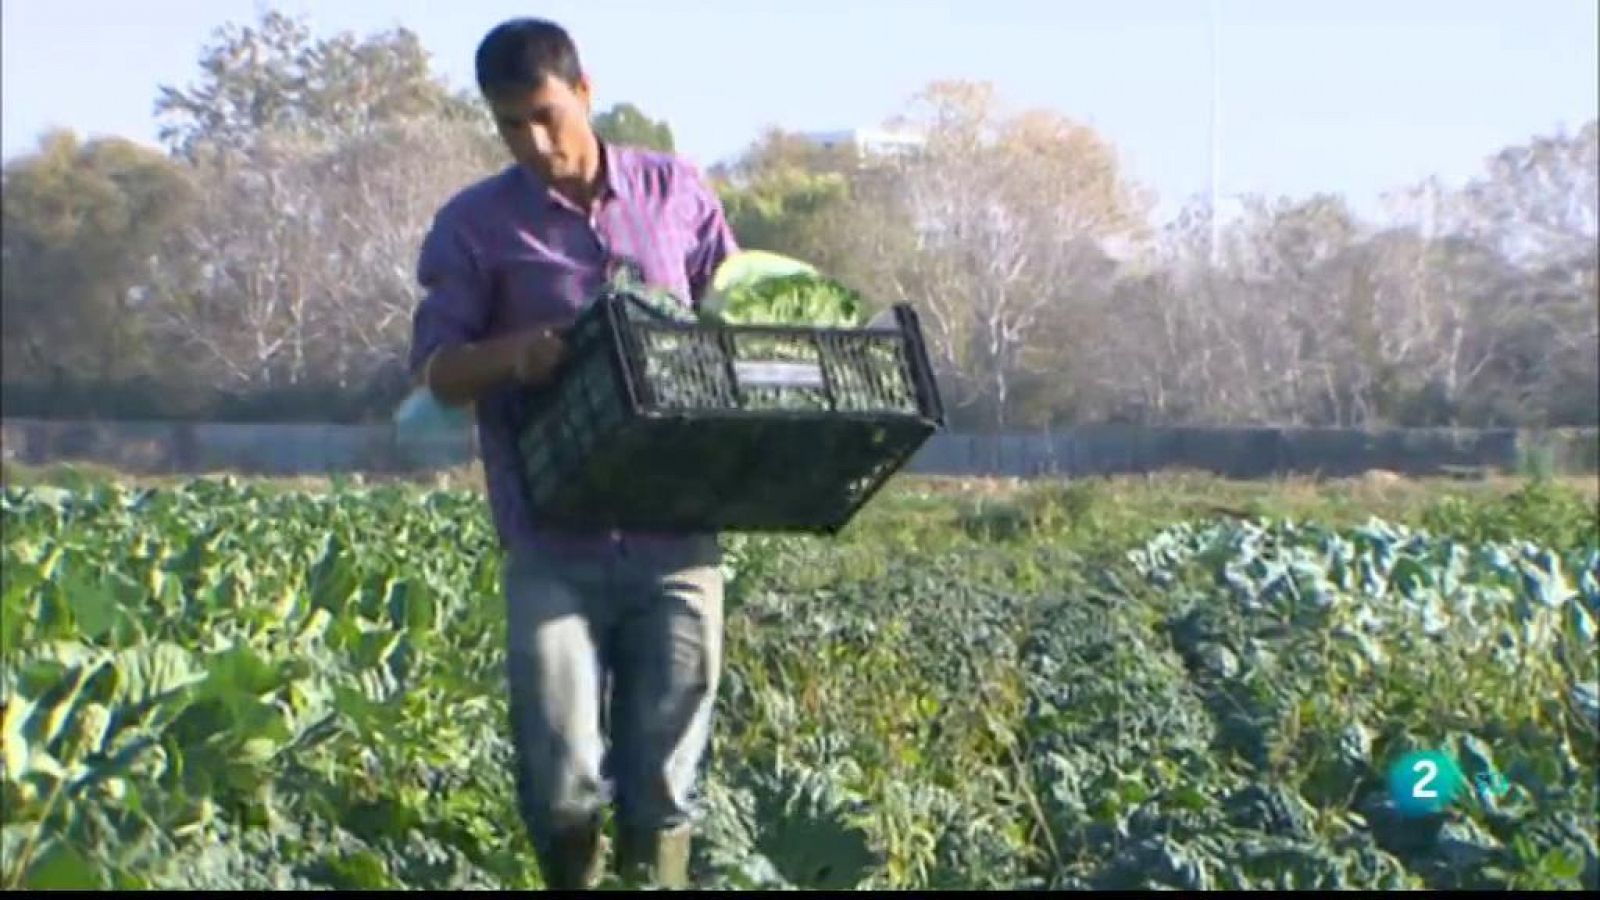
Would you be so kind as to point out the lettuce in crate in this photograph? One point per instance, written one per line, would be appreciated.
(755, 287)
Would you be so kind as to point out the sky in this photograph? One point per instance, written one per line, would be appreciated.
(1357, 97)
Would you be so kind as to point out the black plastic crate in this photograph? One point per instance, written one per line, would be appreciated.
(657, 424)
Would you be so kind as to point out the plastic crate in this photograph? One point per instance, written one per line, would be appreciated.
(656, 424)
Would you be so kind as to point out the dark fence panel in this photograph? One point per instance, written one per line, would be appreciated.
(313, 449)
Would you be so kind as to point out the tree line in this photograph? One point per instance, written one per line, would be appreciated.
(261, 264)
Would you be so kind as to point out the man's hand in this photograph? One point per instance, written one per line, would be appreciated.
(458, 375)
(535, 355)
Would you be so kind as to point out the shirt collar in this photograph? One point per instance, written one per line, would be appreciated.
(613, 183)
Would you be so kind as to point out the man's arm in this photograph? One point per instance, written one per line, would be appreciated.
(450, 354)
(714, 239)
(457, 374)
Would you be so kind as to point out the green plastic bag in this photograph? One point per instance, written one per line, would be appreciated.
(422, 417)
(430, 434)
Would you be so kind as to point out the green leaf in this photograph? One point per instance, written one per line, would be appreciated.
(150, 673)
(92, 601)
(60, 867)
(359, 871)
(58, 715)
(1561, 863)
(243, 672)
(18, 711)
(21, 580)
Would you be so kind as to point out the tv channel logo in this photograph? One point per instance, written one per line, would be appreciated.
(1424, 783)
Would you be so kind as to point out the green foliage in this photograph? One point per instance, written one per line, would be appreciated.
(784, 210)
(84, 221)
(273, 75)
(626, 124)
(1540, 511)
(187, 669)
(221, 686)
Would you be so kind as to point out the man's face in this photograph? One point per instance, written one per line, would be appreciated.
(547, 129)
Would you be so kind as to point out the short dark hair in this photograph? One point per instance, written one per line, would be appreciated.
(518, 54)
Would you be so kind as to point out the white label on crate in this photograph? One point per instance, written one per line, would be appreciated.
(778, 374)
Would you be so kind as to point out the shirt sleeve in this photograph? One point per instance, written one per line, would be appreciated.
(713, 238)
(455, 305)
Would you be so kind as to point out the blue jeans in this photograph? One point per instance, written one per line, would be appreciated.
(613, 661)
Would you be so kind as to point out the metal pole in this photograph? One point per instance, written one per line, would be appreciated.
(1216, 134)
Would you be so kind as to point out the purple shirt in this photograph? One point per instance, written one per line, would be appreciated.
(508, 254)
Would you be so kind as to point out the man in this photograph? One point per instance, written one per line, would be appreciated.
(508, 262)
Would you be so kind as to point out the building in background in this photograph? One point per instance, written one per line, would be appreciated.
(868, 142)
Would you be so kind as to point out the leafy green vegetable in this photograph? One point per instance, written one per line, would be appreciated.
(223, 686)
(759, 288)
(792, 300)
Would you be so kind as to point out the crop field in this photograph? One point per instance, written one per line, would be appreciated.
(1171, 682)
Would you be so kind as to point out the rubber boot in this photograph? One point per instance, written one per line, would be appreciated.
(660, 858)
(576, 860)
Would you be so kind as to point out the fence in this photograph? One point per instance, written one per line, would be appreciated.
(315, 449)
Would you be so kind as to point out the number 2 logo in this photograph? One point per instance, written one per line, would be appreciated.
(1420, 788)
(1424, 783)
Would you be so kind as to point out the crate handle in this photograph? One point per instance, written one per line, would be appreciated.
(779, 373)
(624, 352)
(927, 386)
